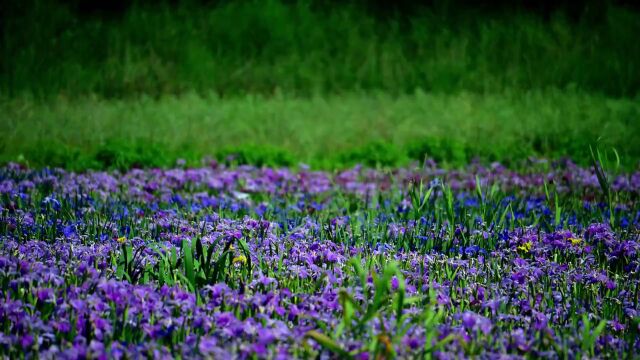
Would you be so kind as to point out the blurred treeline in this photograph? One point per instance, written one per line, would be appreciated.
(117, 49)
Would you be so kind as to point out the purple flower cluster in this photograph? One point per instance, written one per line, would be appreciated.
(249, 262)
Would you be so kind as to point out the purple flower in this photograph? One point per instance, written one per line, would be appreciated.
(331, 257)
(62, 326)
(540, 321)
(616, 326)
(223, 320)
(473, 322)
(97, 350)
(260, 349)
(265, 336)
(413, 342)
(68, 231)
(468, 320)
(519, 277)
(610, 284)
(394, 283)
(207, 345)
(44, 294)
(519, 341)
(79, 305)
(26, 341)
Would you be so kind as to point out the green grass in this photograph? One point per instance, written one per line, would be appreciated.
(305, 48)
(280, 82)
(324, 131)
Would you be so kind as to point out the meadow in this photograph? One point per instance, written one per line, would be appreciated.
(319, 180)
(247, 262)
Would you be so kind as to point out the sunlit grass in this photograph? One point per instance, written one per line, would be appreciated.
(328, 132)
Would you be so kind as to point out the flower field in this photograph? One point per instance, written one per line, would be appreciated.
(245, 262)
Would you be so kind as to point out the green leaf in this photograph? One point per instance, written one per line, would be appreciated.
(186, 281)
(355, 262)
(546, 191)
(200, 251)
(328, 344)
(174, 258)
(207, 261)
(349, 306)
(615, 152)
(441, 343)
(188, 264)
(558, 210)
(219, 267)
(247, 253)
(478, 187)
(586, 333)
(599, 329)
(503, 217)
(400, 298)
(161, 272)
(600, 174)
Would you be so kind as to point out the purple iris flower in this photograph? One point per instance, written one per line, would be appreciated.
(223, 320)
(26, 341)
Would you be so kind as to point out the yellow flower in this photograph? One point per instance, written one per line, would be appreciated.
(526, 247)
(575, 241)
(240, 259)
(122, 239)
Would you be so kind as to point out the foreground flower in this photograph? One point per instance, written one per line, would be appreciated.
(203, 272)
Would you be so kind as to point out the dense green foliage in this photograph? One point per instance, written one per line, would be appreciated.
(303, 48)
(325, 132)
(280, 82)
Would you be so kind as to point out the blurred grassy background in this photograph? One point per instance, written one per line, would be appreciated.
(280, 82)
(262, 46)
(324, 131)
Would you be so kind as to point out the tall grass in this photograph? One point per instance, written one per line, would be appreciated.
(301, 48)
(325, 131)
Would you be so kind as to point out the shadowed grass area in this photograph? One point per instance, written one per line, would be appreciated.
(326, 132)
(303, 48)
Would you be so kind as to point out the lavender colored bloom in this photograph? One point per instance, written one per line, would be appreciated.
(44, 294)
(474, 322)
(207, 345)
(272, 254)
(26, 341)
(224, 319)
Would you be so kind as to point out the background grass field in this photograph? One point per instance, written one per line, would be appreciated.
(325, 131)
(280, 82)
